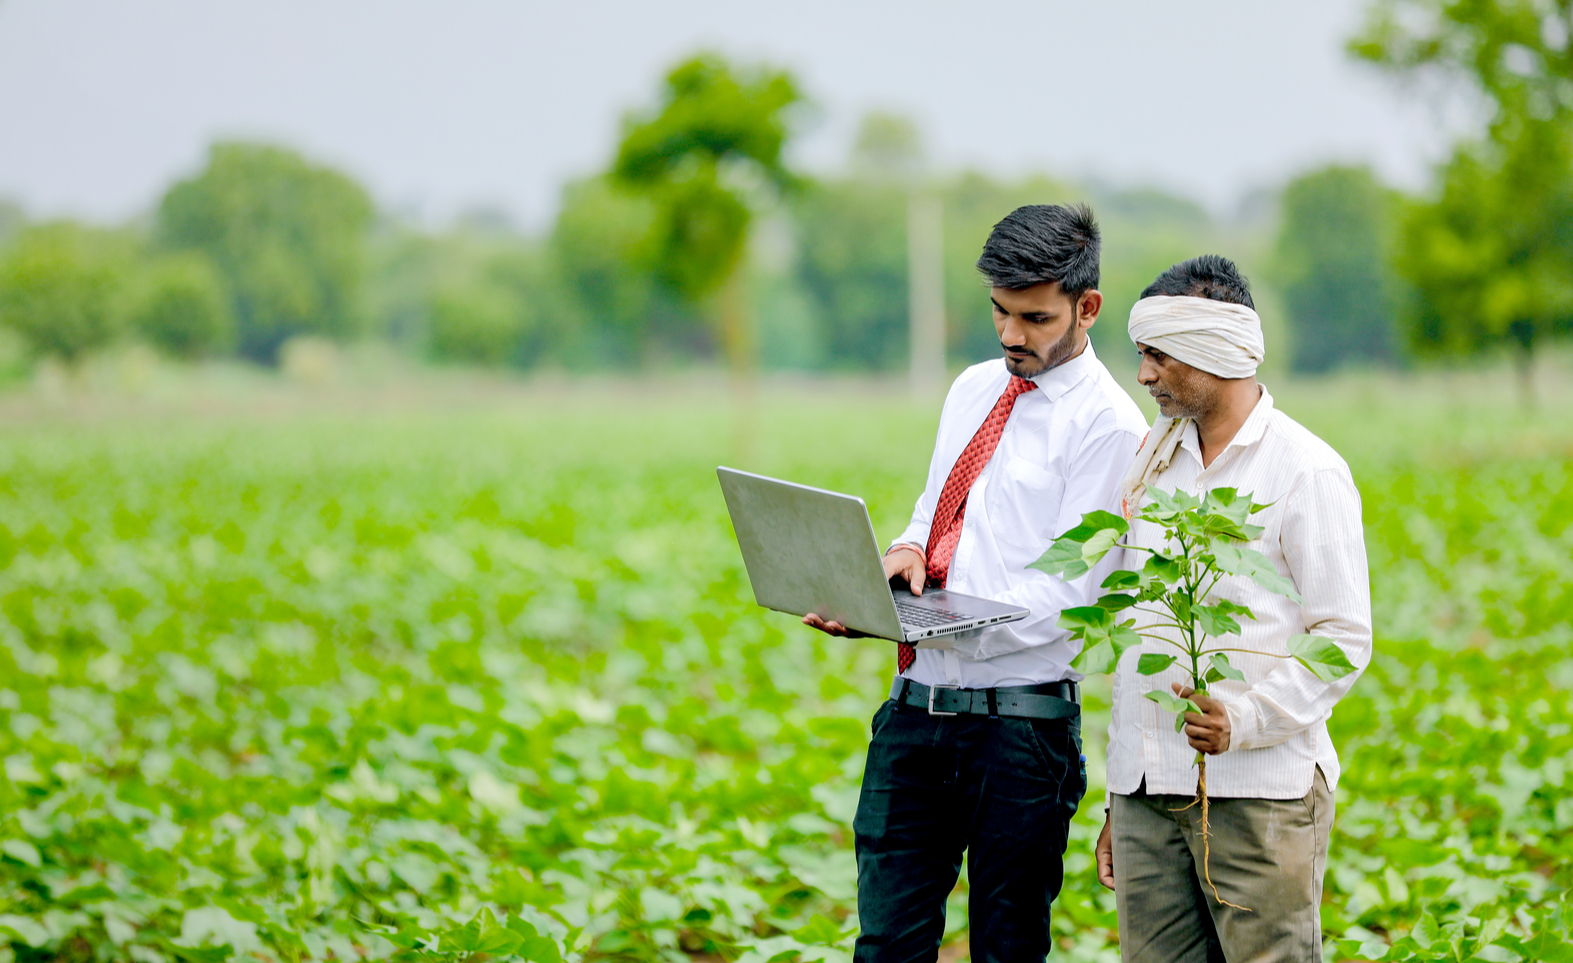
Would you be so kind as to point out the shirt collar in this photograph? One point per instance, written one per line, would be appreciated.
(1249, 434)
(1061, 378)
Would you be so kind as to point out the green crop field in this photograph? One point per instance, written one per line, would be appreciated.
(482, 677)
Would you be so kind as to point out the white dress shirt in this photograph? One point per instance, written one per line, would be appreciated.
(1063, 452)
(1278, 715)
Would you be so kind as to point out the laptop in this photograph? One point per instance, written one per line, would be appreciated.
(811, 550)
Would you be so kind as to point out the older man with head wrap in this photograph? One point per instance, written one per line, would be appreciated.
(1274, 769)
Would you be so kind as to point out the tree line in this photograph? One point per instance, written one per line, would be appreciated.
(698, 242)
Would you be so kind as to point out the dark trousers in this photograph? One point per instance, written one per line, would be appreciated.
(1004, 790)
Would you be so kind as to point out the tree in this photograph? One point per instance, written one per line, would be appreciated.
(178, 303)
(287, 237)
(605, 247)
(852, 262)
(704, 157)
(1515, 53)
(58, 285)
(476, 323)
(1490, 259)
(1489, 256)
(1334, 269)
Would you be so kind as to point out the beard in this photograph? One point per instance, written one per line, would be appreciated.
(1185, 400)
(1055, 355)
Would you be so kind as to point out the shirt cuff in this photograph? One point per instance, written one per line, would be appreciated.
(1244, 727)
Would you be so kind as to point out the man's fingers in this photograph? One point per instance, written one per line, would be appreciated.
(907, 563)
(829, 628)
(1183, 691)
(1105, 851)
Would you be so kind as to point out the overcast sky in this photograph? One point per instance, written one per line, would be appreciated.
(439, 107)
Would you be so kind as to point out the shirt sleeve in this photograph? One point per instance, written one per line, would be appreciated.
(1324, 546)
(1093, 485)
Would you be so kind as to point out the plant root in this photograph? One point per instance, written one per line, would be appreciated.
(1207, 850)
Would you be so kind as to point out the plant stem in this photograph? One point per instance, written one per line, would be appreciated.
(1192, 583)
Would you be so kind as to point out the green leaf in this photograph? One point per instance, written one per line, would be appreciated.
(22, 851)
(1094, 626)
(1490, 930)
(1084, 617)
(533, 947)
(1322, 656)
(1217, 619)
(1123, 637)
(821, 929)
(1095, 659)
(1426, 931)
(1152, 663)
(1170, 703)
(1162, 569)
(1237, 560)
(1116, 602)
(1162, 507)
(28, 932)
(1122, 579)
(1221, 665)
(1084, 546)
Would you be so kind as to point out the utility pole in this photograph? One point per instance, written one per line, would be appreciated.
(926, 292)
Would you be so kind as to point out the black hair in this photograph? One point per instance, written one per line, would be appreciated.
(1208, 276)
(1041, 244)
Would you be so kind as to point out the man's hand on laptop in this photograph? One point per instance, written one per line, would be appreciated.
(903, 560)
(908, 562)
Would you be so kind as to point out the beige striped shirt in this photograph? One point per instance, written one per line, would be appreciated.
(1278, 715)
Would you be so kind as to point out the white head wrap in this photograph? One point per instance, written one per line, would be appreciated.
(1217, 337)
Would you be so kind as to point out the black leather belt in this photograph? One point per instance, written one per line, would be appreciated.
(1048, 700)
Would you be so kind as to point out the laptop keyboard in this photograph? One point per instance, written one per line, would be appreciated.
(924, 617)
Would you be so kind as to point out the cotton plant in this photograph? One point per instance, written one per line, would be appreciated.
(1204, 542)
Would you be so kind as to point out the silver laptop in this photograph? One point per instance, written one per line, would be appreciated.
(811, 550)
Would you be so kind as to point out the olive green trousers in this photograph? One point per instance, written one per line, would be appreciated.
(1267, 856)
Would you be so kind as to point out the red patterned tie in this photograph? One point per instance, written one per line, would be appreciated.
(945, 531)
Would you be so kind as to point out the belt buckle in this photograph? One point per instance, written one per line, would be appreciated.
(935, 688)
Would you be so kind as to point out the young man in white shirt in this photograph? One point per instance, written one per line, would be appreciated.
(1272, 768)
(979, 747)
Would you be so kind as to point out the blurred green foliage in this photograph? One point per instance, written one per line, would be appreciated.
(58, 287)
(698, 226)
(1516, 53)
(1491, 257)
(604, 250)
(1490, 253)
(287, 236)
(1333, 265)
(388, 687)
(852, 265)
(707, 157)
(12, 219)
(179, 305)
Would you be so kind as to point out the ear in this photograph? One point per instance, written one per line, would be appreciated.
(1087, 308)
